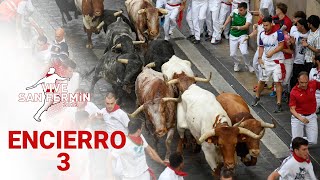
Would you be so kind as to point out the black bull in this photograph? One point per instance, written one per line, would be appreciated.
(65, 6)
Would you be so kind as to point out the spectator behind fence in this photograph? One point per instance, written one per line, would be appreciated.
(312, 44)
(303, 107)
(296, 17)
(281, 18)
(299, 51)
(297, 165)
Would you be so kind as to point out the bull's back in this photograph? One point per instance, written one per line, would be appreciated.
(233, 103)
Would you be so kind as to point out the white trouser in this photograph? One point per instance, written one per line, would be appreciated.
(225, 11)
(209, 22)
(288, 63)
(297, 128)
(255, 63)
(170, 20)
(236, 42)
(161, 3)
(189, 19)
(213, 16)
(198, 13)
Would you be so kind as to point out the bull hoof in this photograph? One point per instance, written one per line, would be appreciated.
(89, 46)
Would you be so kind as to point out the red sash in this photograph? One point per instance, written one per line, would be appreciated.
(299, 159)
(179, 173)
(283, 69)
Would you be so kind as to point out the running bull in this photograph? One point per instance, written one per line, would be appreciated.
(119, 69)
(237, 109)
(145, 18)
(152, 93)
(92, 12)
(158, 53)
(203, 115)
(65, 6)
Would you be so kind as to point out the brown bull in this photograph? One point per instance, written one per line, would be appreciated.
(92, 11)
(151, 91)
(237, 109)
(145, 18)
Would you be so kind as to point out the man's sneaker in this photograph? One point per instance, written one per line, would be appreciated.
(255, 102)
(191, 37)
(216, 42)
(250, 68)
(278, 108)
(236, 68)
(196, 41)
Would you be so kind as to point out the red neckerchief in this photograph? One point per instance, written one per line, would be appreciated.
(299, 159)
(116, 107)
(260, 21)
(179, 173)
(47, 75)
(137, 140)
(273, 30)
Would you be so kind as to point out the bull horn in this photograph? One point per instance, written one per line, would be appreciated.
(118, 13)
(151, 65)
(136, 112)
(124, 61)
(100, 25)
(138, 42)
(141, 11)
(269, 125)
(197, 79)
(206, 135)
(238, 124)
(163, 11)
(173, 81)
(250, 133)
(171, 99)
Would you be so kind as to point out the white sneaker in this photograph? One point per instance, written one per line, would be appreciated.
(250, 68)
(236, 68)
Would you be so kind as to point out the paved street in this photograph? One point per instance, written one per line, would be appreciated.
(205, 58)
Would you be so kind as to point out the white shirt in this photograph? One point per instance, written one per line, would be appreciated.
(267, 4)
(292, 169)
(299, 50)
(270, 42)
(25, 7)
(315, 75)
(133, 158)
(314, 41)
(259, 29)
(169, 174)
(91, 108)
(115, 121)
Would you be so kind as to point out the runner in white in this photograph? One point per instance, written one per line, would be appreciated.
(271, 60)
(174, 7)
(174, 170)
(132, 155)
(297, 165)
(240, 21)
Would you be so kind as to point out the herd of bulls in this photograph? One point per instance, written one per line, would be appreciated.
(165, 85)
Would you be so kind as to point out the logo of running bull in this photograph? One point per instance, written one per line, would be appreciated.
(55, 90)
